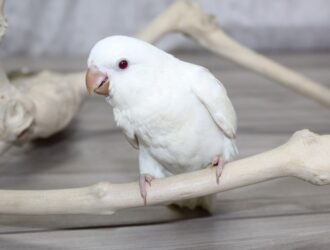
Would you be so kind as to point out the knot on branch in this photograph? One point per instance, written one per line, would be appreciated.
(101, 189)
(309, 156)
(305, 136)
(192, 19)
(102, 195)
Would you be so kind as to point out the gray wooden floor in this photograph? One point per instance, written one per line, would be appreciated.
(281, 214)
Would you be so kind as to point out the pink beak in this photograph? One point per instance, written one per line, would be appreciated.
(97, 81)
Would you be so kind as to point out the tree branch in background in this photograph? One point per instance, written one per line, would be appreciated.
(36, 106)
(3, 21)
(187, 17)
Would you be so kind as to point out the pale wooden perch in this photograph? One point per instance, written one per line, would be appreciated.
(306, 156)
(188, 18)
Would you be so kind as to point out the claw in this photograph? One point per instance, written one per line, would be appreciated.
(219, 164)
(149, 179)
(145, 178)
(215, 161)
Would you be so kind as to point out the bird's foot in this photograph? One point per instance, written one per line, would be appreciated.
(219, 164)
(144, 179)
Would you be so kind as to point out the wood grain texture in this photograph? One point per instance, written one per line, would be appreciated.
(281, 214)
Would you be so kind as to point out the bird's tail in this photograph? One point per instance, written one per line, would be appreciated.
(206, 202)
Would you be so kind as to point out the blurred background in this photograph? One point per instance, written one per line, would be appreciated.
(47, 28)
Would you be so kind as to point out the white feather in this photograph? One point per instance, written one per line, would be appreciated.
(177, 114)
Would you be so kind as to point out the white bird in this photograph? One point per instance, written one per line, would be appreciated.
(177, 114)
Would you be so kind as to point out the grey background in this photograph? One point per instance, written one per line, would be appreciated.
(70, 28)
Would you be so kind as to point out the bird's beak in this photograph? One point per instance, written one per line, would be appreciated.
(97, 81)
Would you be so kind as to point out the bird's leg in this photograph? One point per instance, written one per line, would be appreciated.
(219, 164)
(144, 179)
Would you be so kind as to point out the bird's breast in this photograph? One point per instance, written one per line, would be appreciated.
(180, 134)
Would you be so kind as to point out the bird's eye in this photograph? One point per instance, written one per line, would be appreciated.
(123, 64)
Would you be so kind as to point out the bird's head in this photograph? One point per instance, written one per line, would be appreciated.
(122, 67)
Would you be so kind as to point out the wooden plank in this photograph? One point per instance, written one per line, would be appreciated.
(288, 232)
(281, 214)
(199, 56)
(96, 155)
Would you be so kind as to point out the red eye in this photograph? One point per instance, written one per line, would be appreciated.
(123, 64)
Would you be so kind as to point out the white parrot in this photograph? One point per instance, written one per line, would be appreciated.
(177, 114)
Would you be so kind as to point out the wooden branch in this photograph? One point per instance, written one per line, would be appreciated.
(306, 156)
(188, 18)
(38, 106)
(3, 77)
(3, 21)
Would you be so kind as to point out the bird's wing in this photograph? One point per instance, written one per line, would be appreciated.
(213, 95)
(133, 141)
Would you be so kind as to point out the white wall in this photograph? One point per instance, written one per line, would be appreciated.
(71, 27)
